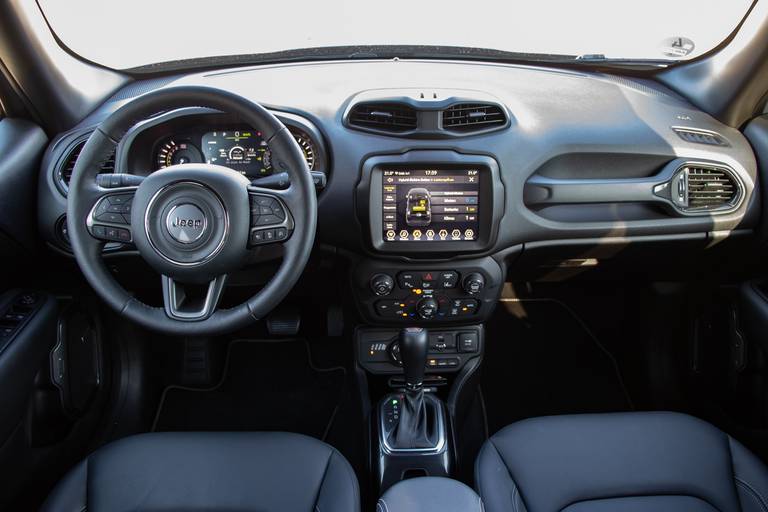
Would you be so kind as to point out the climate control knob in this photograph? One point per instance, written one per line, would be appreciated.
(427, 308)
(382, 284)
(473, 283)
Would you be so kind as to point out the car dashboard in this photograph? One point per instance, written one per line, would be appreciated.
(434, 176)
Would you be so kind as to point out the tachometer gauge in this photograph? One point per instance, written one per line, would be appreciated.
(307, 146)
(173, 153)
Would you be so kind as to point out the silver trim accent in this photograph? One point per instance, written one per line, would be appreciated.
(213, 253)
(171, 299)
(441, 435)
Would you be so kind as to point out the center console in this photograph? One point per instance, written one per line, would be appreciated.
(424, 289)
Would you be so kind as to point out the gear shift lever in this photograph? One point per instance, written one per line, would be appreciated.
(413, 354)
(414, 429)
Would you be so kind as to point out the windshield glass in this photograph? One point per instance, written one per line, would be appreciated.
(129, 34)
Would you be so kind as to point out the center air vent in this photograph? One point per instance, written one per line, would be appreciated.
(473, 117)
(387, 117)
(705, 189)
(64, 173)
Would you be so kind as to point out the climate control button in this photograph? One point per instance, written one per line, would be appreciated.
(427, 308)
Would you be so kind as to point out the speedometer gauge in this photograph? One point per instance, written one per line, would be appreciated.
(173, 153)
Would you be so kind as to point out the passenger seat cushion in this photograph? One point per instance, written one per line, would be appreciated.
(628, 461)
(264, 471)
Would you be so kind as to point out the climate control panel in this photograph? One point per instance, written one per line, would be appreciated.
(461, 292)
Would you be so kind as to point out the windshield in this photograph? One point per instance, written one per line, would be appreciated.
(131, 34)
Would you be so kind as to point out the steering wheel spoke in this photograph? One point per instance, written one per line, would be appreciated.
(188, 302)
(271, 219)
(110, 217)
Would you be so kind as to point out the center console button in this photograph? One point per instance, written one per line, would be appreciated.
(407, 280)
(468, 342)
(428, 279)
(448, 279)
(442, 342)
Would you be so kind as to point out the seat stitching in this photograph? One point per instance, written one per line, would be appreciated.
(322, 480)
(383, 504)
(511, 476)
(755, 494)
(514, 499)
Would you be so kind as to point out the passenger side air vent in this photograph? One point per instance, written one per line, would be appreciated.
(710, 188)
(64, 173)
(700, 137)
(387, 117)
(473, 117)
(699, 188)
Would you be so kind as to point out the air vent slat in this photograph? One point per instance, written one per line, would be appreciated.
(710, 188)
(469, 117)
(389, 117)
(699, 137)
(64, 174)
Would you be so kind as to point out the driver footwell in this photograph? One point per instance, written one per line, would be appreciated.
(266, 385)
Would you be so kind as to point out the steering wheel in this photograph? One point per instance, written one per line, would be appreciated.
(192, 223)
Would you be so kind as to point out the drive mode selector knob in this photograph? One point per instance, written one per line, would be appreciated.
(382, 284)
(473, 283)
(427, 308)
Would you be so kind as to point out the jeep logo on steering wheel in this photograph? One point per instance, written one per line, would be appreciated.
(186, 223)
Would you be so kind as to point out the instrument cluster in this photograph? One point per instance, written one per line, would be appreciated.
(237, 147)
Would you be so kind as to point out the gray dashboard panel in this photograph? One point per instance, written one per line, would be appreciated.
(553, 113)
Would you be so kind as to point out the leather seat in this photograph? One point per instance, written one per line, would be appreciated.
(234, 471)
(629, 462)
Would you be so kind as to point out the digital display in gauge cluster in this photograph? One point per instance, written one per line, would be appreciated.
(243, 151)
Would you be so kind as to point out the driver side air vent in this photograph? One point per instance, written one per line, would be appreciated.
(64, 173)
(472, 117)
(387, 117)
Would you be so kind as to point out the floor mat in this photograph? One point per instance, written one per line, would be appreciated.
(541, 359)
(266, 385)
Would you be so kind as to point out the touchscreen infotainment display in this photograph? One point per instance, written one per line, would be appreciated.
(426, 205)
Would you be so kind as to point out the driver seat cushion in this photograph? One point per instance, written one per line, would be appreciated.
(628, 462)
(195, 471)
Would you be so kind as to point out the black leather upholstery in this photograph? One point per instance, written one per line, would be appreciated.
(627, 462)
(195, 471)
(429, 494)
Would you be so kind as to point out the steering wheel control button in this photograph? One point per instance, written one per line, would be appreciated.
(266, 211)
(111, 233)
(113, 218)
(186, 223)
(266, 236)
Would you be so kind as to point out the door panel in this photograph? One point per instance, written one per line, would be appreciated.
(21, 148)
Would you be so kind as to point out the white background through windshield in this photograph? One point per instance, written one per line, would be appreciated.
(132, 33)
